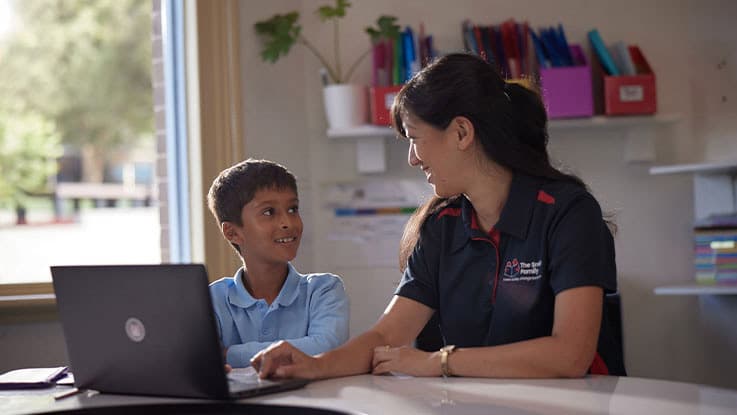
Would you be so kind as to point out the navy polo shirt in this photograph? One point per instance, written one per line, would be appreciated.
(499, 287)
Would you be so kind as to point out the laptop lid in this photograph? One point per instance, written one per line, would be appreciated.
(144, 330)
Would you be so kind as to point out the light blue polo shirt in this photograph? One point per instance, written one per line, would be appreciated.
(311, 312)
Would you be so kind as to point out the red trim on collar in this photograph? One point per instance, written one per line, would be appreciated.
(598, 367)
(496, 236)
(449, 212)
(493, 233)
(474, 221)
(545, 198)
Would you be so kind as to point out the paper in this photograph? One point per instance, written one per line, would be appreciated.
(31, 378)
(367, 219)
(378, 193)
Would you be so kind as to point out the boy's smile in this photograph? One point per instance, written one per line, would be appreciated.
(272, 228)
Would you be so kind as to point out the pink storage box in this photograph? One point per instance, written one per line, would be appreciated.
(567, 91)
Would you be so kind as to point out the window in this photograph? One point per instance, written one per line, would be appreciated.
(168, 162)
(77, 142)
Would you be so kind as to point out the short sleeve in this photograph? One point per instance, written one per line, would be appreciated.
(582, 248)
(420, 279)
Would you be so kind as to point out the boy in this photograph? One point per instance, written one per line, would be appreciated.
(255, 204)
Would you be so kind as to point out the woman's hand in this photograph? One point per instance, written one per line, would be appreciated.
(406, 360)
(282, 360)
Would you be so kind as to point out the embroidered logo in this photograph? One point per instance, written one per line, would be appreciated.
(511, 268)
(515, 270)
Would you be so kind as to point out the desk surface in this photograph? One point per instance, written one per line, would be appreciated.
(387, 395)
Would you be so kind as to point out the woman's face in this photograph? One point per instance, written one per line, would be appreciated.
(434, 152)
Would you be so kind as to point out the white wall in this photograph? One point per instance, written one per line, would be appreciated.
(692, 45)
(693, 49)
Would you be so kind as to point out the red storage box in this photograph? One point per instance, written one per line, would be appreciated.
(381, 99)
(631, 94)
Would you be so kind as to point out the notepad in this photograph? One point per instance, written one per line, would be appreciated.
(32, 378)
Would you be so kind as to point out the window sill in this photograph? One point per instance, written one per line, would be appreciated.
(26, 303)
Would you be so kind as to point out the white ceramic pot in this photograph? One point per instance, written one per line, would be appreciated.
(346, 105)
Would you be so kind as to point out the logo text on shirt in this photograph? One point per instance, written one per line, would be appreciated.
(515, 270)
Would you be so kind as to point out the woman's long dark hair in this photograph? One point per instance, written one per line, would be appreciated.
(510, 122)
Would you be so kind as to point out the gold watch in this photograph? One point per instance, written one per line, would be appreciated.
(444, 352)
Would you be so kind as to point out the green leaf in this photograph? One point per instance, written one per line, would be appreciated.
(279, 34)
(338, 11)
(387, 28)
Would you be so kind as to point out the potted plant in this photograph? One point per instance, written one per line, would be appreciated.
(345, 104)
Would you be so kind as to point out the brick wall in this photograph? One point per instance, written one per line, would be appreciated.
(160, 126)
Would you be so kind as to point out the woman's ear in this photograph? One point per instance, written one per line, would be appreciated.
(464, 132)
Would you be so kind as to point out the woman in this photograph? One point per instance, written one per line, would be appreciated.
(512, 254)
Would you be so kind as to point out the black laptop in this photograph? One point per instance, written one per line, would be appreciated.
(147, 330)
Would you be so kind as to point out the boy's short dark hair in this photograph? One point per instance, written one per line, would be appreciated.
(235, 187)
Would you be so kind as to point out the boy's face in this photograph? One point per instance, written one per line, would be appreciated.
(272, 227)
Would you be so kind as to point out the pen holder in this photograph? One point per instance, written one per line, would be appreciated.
(567, 91)
(381, 99)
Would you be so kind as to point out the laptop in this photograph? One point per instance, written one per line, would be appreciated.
(147, 330)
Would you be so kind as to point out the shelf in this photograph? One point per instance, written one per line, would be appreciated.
(366, 130)
(599, 121)
(703, 168)
(371, 157)
(696, 289)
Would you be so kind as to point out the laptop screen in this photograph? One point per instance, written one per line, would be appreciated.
(141, 329)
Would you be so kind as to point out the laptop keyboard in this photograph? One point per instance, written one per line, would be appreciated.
(246, 378)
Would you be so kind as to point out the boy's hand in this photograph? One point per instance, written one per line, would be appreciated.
(282, 360)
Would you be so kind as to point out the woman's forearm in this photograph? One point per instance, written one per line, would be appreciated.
(544, 357)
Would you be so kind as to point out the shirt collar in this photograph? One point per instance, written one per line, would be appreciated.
(517, 211)
(289, 290)
(514, 219)
(239, 296)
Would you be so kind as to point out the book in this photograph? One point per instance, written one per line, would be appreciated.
(597, 44)
(624, 60)
(32, 378)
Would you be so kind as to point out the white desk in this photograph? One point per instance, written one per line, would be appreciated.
(394, 395)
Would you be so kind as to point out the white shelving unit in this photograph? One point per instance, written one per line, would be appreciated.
(715, 192)
(371, 152)
(699, 168)
(370, 148)
(715, 185)
(695, 289)
(600, 121)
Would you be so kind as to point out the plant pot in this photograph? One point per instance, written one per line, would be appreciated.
(346, 105)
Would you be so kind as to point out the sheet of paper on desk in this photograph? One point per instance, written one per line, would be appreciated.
(30, 378)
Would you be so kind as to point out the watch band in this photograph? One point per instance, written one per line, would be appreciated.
(445, 351)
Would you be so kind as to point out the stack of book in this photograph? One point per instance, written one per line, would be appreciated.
(715, 250)
(506, 46)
